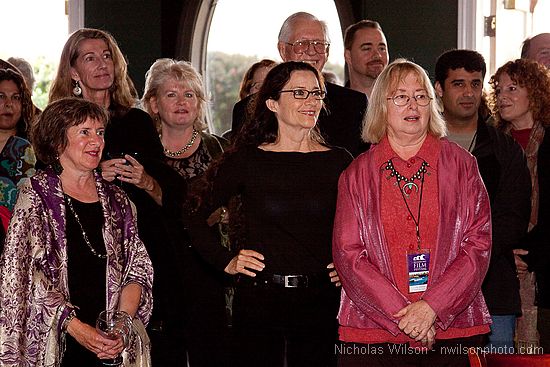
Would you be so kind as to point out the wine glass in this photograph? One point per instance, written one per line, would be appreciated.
(114, 325)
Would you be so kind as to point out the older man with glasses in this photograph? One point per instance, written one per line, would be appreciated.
(303, 37)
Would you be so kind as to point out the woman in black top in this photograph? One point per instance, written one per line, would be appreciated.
(93, 67)
(285, 304)
(174, 97)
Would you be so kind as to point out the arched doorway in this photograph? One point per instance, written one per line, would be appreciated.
(227, 36)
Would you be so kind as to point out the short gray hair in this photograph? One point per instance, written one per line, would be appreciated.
(288, 24)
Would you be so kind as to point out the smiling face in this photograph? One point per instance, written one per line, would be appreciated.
(461, 95)
(84, 146)
(176, 103)
(368, 54)
(409, 122)
(10, 105)
(305, 30)
(94, 67)
(513, 102)
(297, 115)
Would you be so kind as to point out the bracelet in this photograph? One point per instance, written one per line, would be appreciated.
(68, 319)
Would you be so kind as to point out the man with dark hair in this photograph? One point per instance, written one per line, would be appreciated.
(459, 78)
(366, 54)
(304, 38)
(537, 48)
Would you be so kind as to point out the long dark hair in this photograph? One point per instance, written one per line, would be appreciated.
(263, 126)
(260, 129)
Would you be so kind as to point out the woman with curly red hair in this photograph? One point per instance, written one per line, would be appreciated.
(520, 101)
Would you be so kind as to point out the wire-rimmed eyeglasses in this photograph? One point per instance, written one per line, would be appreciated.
(299, 93)
(299, 47)
(403, 99)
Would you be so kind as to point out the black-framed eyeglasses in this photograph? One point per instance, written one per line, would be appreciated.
(299, 47)
(403, 99)
(299, 93)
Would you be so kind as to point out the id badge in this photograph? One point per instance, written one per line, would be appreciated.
(418, 264)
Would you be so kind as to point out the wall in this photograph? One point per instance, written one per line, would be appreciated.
(144, 29)
(417, 30)
(149, 29)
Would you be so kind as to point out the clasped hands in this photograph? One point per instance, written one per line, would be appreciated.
(248, 261)
(417, 320)
(92, 340)
(127, 169)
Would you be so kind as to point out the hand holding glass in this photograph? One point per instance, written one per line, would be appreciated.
(114, 325)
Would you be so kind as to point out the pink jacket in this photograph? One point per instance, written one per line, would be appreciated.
(369, 295)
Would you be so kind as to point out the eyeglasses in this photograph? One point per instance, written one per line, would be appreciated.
(299, 47)
(318, 94)
(403, 99)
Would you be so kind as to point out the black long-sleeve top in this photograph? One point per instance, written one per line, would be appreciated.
(132, 131)
(289, 200)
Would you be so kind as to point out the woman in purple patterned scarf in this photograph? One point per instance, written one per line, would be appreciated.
(71, 250)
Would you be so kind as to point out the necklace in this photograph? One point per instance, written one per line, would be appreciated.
(407, 188)
(409, 184)
(186, 147)
(84, 235)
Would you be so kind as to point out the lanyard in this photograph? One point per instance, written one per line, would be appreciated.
(409, 183)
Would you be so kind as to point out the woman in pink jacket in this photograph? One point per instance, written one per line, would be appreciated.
(412, 235)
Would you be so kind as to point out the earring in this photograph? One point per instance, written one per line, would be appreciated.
(77, 91)
(57, 167)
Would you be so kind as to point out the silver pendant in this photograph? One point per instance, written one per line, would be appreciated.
(408, 188)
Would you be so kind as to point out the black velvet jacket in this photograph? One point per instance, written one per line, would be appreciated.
(537, 241)
(503, 167)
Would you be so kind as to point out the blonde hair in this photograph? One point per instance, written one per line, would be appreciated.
(182, 71)
(122, 91)
(375, 121)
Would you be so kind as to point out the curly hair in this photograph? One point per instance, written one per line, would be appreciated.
(123, 92)
(535, 78)
(27, 108)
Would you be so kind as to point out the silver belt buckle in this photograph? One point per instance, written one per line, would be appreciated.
(287, 281)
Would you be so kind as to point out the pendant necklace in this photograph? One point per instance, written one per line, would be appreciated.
(84, 235)
(186, 147)
(409, 184)
(407, 189)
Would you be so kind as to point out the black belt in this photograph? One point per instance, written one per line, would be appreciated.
(286, 281)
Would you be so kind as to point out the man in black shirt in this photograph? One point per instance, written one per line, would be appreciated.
(303, 37)
(459, 83)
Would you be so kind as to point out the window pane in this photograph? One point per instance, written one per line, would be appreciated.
(243, 32)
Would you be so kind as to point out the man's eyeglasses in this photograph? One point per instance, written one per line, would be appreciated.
(318, 94)
(403, 99)
(299, 47)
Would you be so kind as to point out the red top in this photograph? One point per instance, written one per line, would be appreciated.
(521, 136)
(400, 232)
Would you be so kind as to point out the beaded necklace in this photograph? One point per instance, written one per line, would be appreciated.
(409, 182)
(407, 189)
(186, 147)
(84, 235)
